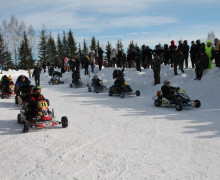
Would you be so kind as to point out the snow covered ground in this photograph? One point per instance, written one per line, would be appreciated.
(114, 138)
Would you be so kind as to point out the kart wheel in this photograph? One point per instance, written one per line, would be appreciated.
(122, 95)
(179, 106)
(89, 89)
(2, 96)
(62, 82)
(110, 93)
(71, 85)
(96, 91)
(138, 93)
(25, 127)
(64, 121)
(19, 119)
(49, 82)
(157, 103)
(16, 99)
(197, 103)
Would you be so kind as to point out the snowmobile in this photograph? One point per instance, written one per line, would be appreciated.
(121, 87)
(180, 100)
(10, 93)
(44, 119)
(78, 84)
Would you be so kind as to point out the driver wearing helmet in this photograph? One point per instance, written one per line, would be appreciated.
(4, 84)
(168, 91)
(96, 81)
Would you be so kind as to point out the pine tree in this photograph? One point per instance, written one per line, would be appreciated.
(43, 47)
(79, 51)
(108, 53)
(119, 45)
(131, 46)
(5, 56)
(60, 50)
(25, 54)
(85, 48)
(93, 44)
(72, 49)
(65, 45)
(51, 49)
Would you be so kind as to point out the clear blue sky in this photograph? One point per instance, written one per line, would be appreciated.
(144, 21)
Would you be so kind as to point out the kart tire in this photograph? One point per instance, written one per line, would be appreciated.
(2, 96)
(122, 95)
(25, 127)
(19, 119)
(49, 82)
(179, 106)
(89, 89)
(197, 103)
(62, 82)
(16, 99)
(71, 85)
(157, 102)
(138, 93)
(110, 93)
(64, 121)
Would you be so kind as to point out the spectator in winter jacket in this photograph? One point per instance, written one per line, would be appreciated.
(216, 52)
(113, 57)
(177, 56)
(143, 56)
(181, 49)
(198, 45)
(119, 57)
(76, 77)
(36, 75)
(202, 62)
(149, 53)
(185, 53)
(138, 59)
(193, 53)
(156, 62)
(172, 48)
(100, 62)
(166, 54)
(208, 51)
(4, 84)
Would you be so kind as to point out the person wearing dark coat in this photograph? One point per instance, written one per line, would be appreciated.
(168, 91)
(193, 53)
(156, 62)
(149, 53)
(216, 52)
(185, 53)
(143, 56)
(44, 66)
(181, 49)
(198, 45)
(119, 57)
(76, 77)
(177, 56)
(36, 75)
(202, 62)
(166, 54)
(138, 59)
(4, 84)
(172, 49)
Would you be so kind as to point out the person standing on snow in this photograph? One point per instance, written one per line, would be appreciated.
(185, 53)
(193, 53)
(208, 51)
(202, 62)
(172, 48)
(36, 75)
(216, 52)
(156, 62)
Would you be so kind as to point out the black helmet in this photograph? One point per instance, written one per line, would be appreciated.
(166, 83)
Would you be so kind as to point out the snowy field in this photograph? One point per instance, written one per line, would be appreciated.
(114, 138)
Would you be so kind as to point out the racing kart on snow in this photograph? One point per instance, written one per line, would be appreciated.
(55, 80)
(10, 91)
(97, 88)
(44, 118)
(77, 84)
(122, 90)
(180, 100)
